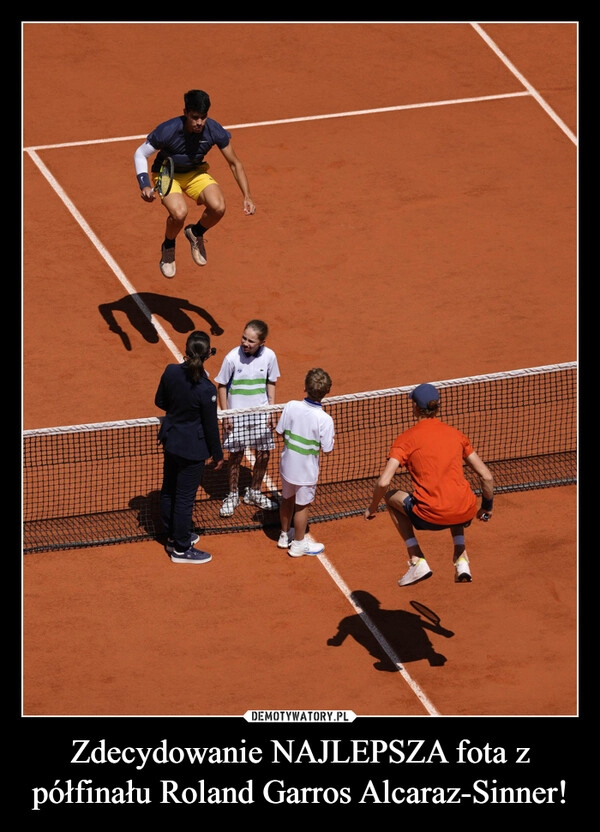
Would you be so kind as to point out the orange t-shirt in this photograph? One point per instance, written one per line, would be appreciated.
(434, 453)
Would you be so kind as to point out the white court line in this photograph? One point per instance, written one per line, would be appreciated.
(525, 83)
(104, 253)
(384, 644)
(348, 114)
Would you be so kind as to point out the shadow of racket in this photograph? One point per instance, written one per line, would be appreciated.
(431, 616)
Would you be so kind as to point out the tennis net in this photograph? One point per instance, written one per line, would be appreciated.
(99, 484)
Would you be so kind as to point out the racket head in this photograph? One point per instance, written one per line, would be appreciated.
(430, 615)
(164, 180)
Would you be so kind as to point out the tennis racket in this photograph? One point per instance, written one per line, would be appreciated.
(164, 180)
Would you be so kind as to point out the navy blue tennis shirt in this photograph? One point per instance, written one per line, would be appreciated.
(186, 149)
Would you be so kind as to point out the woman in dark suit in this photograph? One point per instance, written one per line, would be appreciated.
(190, 435)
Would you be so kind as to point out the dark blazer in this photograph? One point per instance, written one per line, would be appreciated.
(191, 428)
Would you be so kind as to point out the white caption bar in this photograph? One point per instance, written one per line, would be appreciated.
(299, 716)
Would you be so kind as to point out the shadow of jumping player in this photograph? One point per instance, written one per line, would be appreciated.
(139, 308)
(404, 632)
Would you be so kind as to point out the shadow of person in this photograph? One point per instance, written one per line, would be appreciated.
(403, 631)
(216, 484)
(147, 514)
(139, 309)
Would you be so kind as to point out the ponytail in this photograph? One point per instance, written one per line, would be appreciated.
(197, 350)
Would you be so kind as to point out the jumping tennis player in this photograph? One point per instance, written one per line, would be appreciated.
(247, 378)
(187, 139)
(307, 430)
(433, 453)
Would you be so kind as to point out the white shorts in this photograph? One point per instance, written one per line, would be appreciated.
(304, 494)
(249, 431)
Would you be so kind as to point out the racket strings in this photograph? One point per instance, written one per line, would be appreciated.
(165, 178)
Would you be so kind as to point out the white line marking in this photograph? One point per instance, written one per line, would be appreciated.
(104, 253)
(348, 114)
(385, 645)
(525, 83)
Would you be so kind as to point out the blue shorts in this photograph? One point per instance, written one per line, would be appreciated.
(425, 525)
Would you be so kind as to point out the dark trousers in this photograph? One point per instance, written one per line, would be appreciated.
(181, 480)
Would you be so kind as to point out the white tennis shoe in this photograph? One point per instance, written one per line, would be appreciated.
(285, 538)
(197, 246)
(418, 571)
(167, 262)
(230, 503)
(253, 497)
(306, 546)
(462, 572)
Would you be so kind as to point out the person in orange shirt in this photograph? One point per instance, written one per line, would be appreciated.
(434, 454)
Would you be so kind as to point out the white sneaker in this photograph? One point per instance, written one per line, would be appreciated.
(462, 573)
(230, 503)
(197, 244)
(252, 497)
(167, 262)
(306, 546)
(416, 572)
(285, 538)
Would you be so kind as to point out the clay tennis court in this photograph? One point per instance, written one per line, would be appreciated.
(416, 221)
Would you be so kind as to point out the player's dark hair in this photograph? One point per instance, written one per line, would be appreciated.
(260, 327)
(196, 101)
(197, 350)
(317, 384)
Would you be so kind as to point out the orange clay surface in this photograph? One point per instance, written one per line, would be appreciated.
(389, 246)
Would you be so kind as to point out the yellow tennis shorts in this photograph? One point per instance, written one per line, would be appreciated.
(192, 184)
